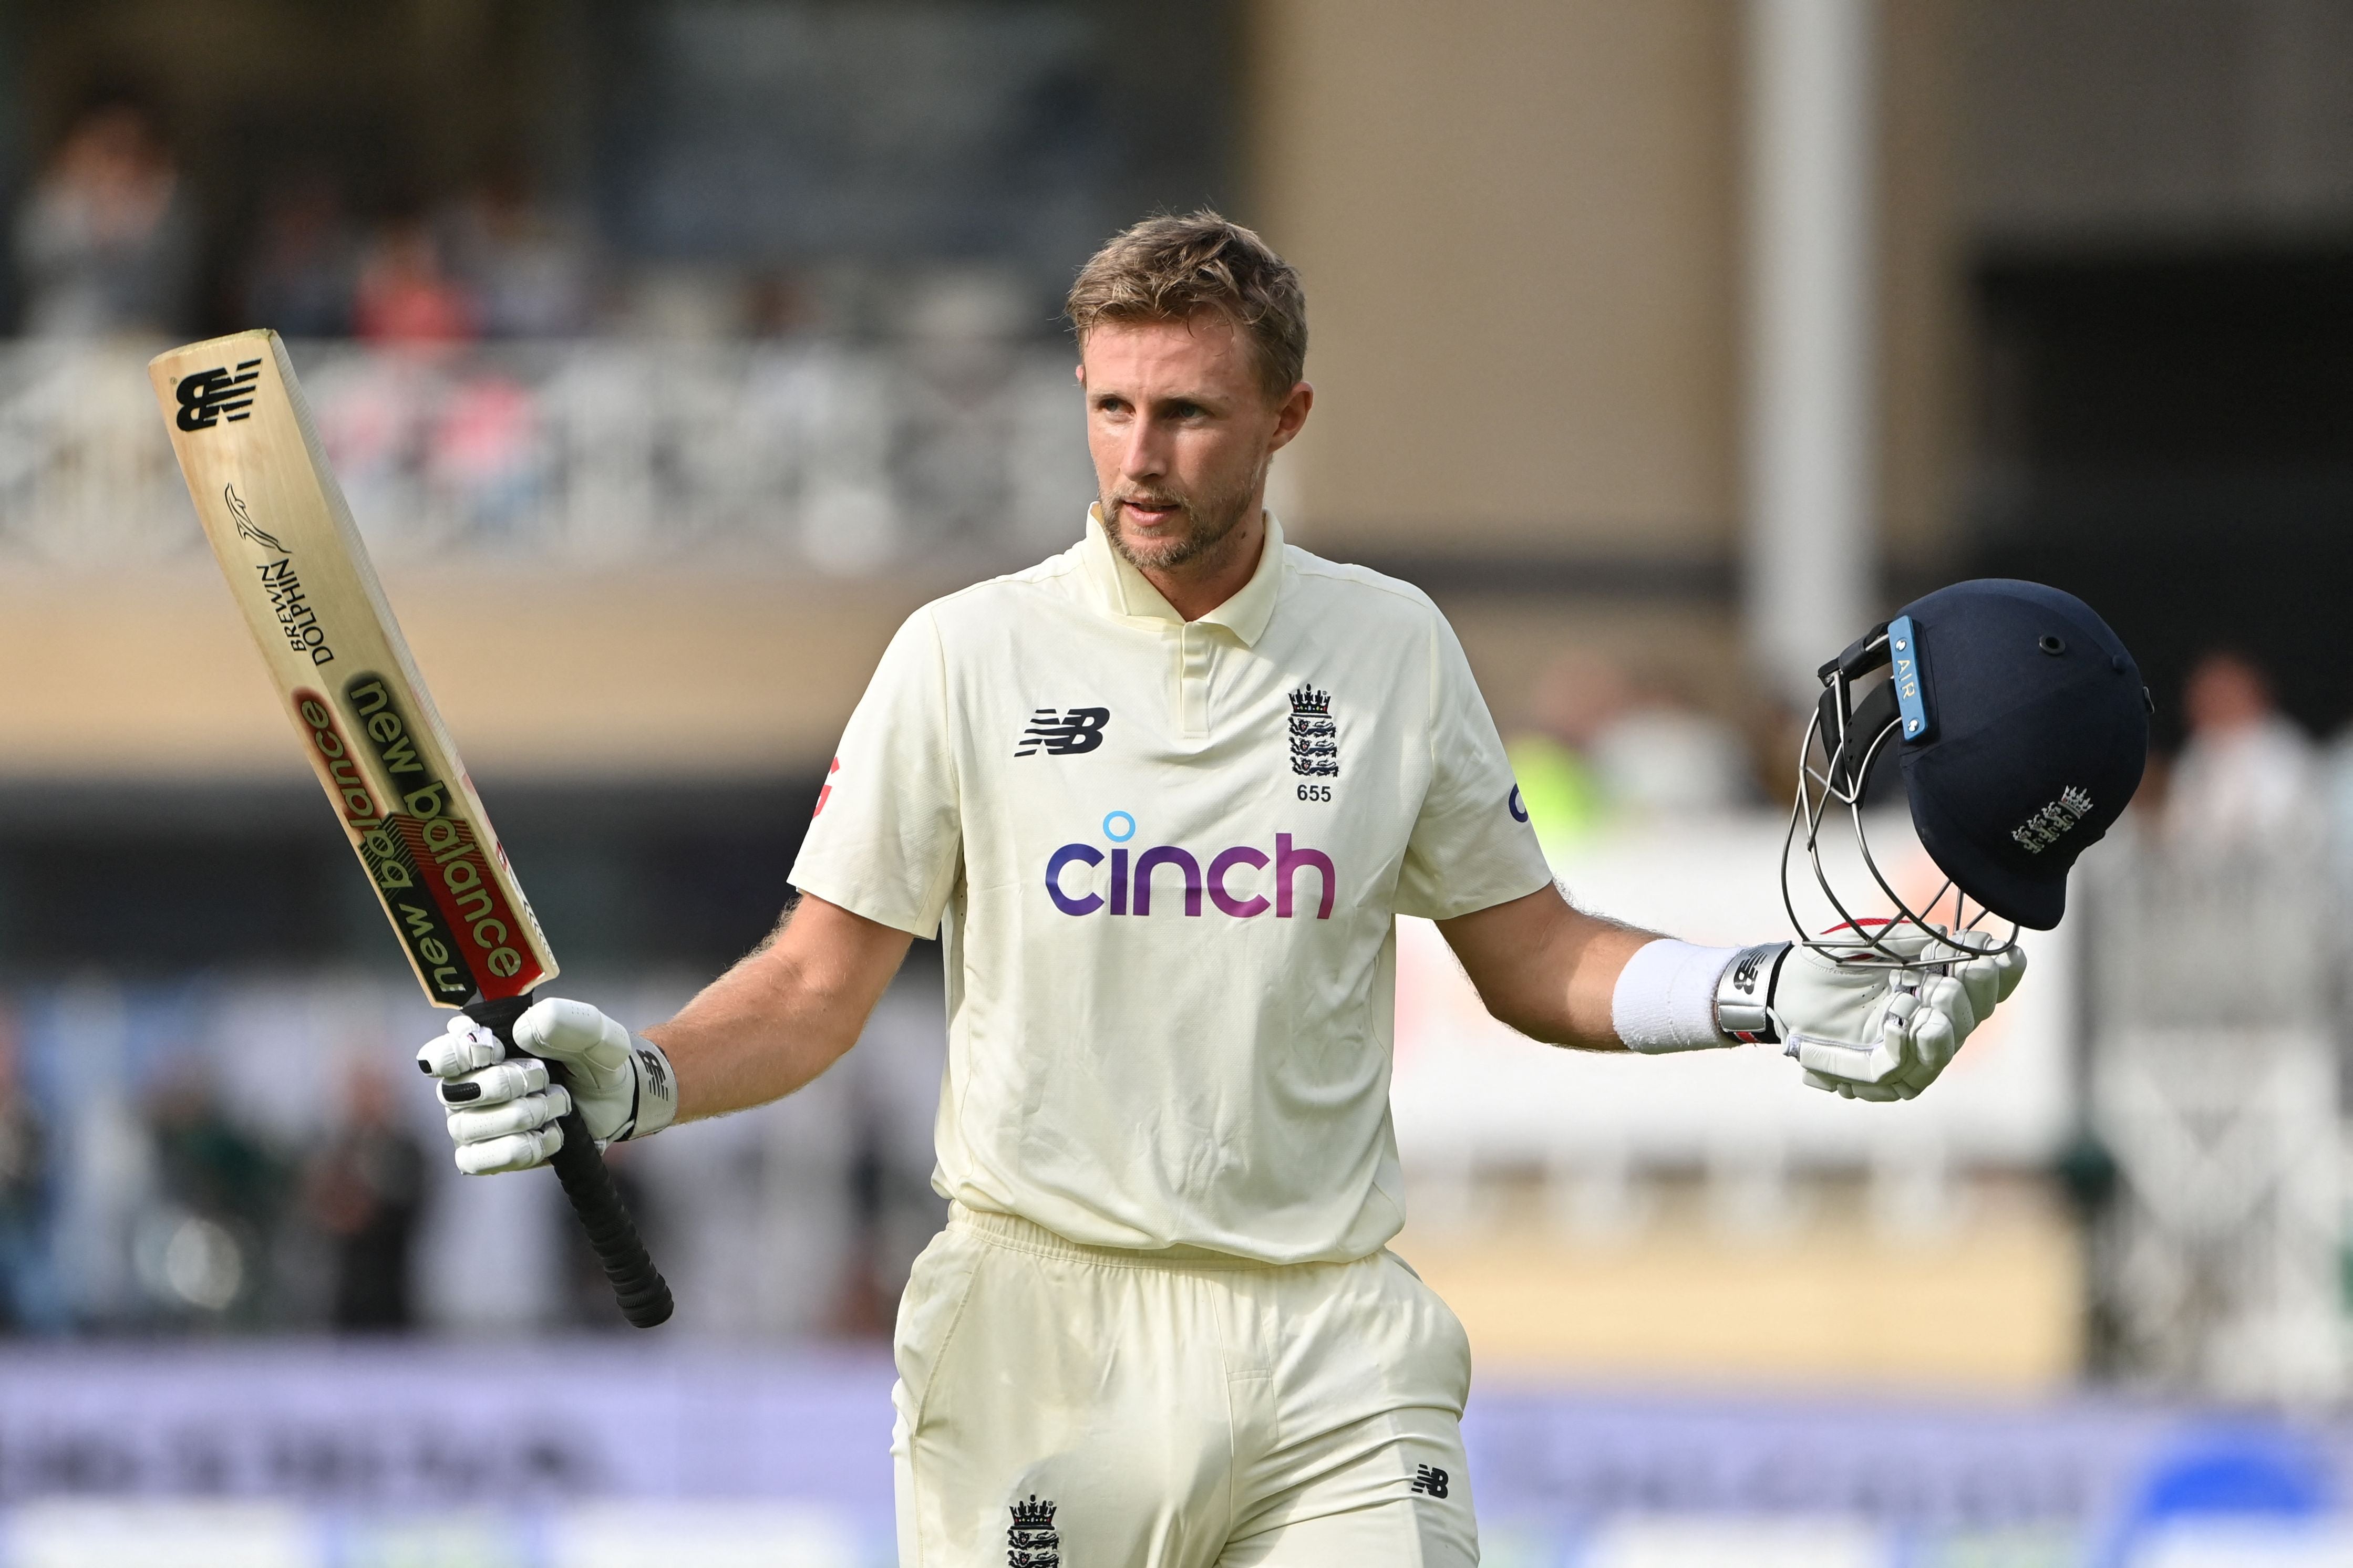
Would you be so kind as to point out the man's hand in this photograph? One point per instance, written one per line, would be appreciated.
(1869, 1032)
(502, 1113)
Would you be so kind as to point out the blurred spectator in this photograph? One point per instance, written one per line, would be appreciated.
(1580, 694)
(105, 240)
(204, 1245)
(778, 305)
(407, 293)
(528, 272)
(2248, 778)
(894, 1075)
(31, 1299)
(305, 261)
(2336, 780)
(1605, 744)
(485, 455)
(366, 1191)
(1660, 754)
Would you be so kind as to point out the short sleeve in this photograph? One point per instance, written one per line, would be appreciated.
(885, 840)
(1471, 847)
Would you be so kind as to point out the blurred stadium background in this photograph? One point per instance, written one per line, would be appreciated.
(672, 350)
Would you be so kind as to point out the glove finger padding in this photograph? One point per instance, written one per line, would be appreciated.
(495, 1084)
(515, 1151)
(1919, 1032)
(1990, 977)
(2012, 967)
(460, 1049)
(1931, 1037)
(479, 1124)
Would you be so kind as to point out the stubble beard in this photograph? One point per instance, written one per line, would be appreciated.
(1211, 520)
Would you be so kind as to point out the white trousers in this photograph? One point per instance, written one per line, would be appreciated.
(1069, 1407)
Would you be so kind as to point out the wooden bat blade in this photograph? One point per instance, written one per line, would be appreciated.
(301, 574)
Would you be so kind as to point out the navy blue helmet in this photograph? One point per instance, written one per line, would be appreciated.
(2021, 725)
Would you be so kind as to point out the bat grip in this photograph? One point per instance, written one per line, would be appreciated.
(637, 1285)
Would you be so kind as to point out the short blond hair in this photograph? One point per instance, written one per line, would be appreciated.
(1170, 269)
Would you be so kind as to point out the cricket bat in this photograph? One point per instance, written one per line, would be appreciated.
(300, 572)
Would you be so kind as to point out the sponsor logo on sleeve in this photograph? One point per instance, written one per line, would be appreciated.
(1060, 732)
(1430, 1480)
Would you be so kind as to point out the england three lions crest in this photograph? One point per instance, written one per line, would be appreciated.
(1032, 1542)
(1315, 738)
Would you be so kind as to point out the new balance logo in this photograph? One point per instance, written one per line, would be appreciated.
(1060, 733)
(1430, 1480)
(209, 393)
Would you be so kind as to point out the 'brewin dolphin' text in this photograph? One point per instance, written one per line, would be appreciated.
(296, 618)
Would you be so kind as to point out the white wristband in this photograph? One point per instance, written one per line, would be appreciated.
(1665, 997)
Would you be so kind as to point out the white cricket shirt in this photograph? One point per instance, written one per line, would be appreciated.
(1165, 858)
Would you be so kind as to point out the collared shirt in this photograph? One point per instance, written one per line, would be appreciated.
(1165, 860)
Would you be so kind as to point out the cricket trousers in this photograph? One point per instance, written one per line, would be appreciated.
(1069, 1407)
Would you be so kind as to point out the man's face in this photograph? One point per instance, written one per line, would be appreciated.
(1181, 429)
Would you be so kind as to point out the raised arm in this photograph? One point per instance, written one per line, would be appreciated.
(1547, 968)
(758, 1031)
(785, 1014)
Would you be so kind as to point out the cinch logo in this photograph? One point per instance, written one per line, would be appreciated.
(209, 393)
(1132, 886)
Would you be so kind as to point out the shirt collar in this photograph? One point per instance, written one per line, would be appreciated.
(1124, 591)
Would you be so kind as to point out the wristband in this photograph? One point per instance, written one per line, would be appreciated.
(1665, 997)
(656, 1105)
(1744, 994)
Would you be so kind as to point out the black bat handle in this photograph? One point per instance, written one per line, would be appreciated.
(637, 1285)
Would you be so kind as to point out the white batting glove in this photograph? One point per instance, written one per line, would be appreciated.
(502, 1113)
(1868, 1032)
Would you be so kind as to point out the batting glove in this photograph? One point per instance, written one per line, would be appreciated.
(502, 1111)
(1867, 1031)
